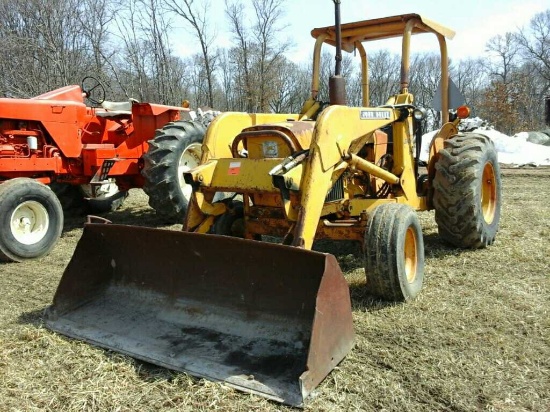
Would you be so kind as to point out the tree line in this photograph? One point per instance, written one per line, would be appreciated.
(130, 46)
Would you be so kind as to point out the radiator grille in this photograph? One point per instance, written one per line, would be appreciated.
(337, 191)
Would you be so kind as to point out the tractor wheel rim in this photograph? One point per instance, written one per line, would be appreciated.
(189, 159)
(488, 193)
(410, 255)
(29, 222)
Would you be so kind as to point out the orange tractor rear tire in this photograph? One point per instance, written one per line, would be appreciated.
(175, 149)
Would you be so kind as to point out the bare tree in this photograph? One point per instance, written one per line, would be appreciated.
(291, 87)
(257, 50)
(146, 67)
(384, 76)
(241, 56)
(44, 45)
(197, 18)
(267, 29)
(505, 50)
(227, 80)
(95, 21)
(470, 75)
(425, 76)
(535, 43)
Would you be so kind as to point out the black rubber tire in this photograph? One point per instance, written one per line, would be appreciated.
(15, 192)
(390, 275)
(106, 205)
(161, 164)
(231, 223)
(70, 197)
(458, 195)
(75, 202)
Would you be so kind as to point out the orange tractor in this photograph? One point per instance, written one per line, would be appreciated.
(56, 152)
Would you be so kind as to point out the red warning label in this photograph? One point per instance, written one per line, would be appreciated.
(234, 168)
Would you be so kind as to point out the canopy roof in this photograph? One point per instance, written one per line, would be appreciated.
(381, 28)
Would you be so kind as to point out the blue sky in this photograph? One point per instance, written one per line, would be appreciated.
(474, 21)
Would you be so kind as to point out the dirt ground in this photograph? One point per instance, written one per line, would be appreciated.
(477, 338)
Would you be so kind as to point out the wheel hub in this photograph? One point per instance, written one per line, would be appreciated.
(411, 259)
(29, 222)
(488, 193)
(189, 159)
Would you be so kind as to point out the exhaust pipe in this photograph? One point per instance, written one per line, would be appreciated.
(336, 83)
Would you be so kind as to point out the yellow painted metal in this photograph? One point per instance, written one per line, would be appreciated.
(201, 212)
(224, 128)
(334, 146)
(337, 130)
(371, 168)
(447, 131)
(206, 224)
(202, 174)
(382, 28)
(364, 74)
(315, 185)
(292, 181)
(406, 25)
(401, 137)
(444, 78)
(295, 135)
(339, 126)
(248, 175)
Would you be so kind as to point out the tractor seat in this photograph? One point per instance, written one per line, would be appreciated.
(116, 109)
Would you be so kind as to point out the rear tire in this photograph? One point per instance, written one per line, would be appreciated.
(467, 191)
(394, 253)
(31, 219)
(176, 148)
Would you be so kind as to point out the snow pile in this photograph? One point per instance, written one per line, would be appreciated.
(517, 150)
(512, 150)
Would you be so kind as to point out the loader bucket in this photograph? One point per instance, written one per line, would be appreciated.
(264, 318)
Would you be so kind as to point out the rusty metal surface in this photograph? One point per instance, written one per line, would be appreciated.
(300, 132)
(264, 318)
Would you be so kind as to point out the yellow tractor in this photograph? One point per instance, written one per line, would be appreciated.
(275, 319)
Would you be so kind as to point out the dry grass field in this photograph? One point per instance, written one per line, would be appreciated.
(477, 338)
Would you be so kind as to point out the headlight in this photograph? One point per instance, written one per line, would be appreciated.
(419, 114)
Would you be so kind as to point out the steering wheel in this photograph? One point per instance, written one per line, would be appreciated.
(93, 90)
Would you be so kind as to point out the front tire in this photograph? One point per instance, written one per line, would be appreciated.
(31, 219)
(176, 148)
(394, 253)
(467, 191)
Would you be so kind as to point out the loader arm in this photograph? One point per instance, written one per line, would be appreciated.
(333, 143)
